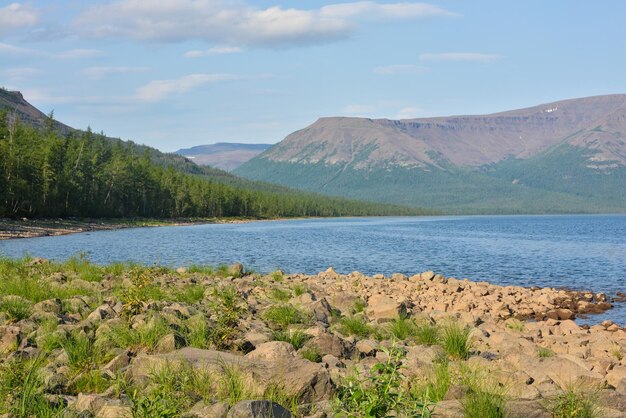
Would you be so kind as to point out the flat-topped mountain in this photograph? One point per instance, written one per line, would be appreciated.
(224, 155)
(566, 156)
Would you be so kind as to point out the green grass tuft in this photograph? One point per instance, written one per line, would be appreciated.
(455, 340)
(356, 326)
(284, 315)
(295, 337)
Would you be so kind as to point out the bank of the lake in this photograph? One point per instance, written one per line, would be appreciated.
(131, 340)
(33, 228)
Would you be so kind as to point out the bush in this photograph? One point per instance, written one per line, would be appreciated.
(574, 403)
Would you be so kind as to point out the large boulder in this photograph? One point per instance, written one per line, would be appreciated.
(304, 379)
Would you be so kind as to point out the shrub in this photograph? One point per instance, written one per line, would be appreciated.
(382, 393)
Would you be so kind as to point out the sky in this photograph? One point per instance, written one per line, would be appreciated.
(178, 73)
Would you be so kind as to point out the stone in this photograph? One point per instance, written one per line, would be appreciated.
(236, 270)
(258, 409)
(100, 313)
(381, 308)
(366, 347)
(9, 338)
(117, 363)
(115, 411)
(526, 409)
(272, 351)
(326, 343)
(50, 306)
(166, 344)
(202, 410)
(560, 314)
(616, 376)
(88, 403)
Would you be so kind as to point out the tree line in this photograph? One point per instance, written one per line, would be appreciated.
(44, 174)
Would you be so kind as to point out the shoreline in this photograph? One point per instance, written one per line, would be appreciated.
(299, 340)
(34, 228)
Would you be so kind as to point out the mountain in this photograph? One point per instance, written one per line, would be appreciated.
(567, 156)
(74, 173)
(223, 155)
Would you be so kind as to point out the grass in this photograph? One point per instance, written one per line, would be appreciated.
(277, 276)
(190, 294)
(198, 333)
(21, 391)
(515, 324)
(359, 306)
(438, 385)
(15, 307)
(171, 391)
(402, 328)
(295, 337)
(91, 381)
(284, 315)
(80, 351)
(233, 385)
(485, 398)
(617, 352)
(543, 352)
(455, 340)
(299, 289)
(427, 334)
(312, 354)
(574, 403)
(355, 325)
(280, 295)
(121, 335)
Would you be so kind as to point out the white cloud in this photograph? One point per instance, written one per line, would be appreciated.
(17, 16)
(408, 113)
(400, 69)
(20, 73)
(16, 50)
(72, 53)
(159, 89)
(96, 73)
(237, 23)
(460, 56)
(218, 50)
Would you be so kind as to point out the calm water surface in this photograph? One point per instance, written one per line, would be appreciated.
(580, 252)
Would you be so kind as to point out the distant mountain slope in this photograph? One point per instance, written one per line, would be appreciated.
(223, 155)
(567, 156)
(45, 172)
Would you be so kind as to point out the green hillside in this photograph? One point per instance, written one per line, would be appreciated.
(82, 174)
(555, 181)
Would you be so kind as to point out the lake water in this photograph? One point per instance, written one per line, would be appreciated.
(578, 252)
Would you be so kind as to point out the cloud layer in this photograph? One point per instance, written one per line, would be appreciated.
(16, 16)
(235, 23)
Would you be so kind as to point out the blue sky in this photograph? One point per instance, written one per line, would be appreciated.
(178, 73)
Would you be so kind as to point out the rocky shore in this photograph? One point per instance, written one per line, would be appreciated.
(33, 228)
(122, 340)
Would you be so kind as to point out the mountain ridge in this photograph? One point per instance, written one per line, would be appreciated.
(224, 155)
(564, 156)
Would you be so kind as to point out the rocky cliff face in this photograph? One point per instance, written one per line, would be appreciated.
(17, 106)
(595, 122)
(567, 156)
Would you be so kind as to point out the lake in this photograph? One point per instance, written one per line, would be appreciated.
(578, 252)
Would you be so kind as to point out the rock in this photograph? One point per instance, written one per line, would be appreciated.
(331, 344)
(236, 270)
(166, 344)
(9, 338)
(256, 338)
(566, 371)
(88, 403)
(366, 347)
(181, 270)
(115, 411)
(560, 314)
(526, 409)
(381, 308)
(272, 351)
(448, 409)
(50, 306)
(100, 313)
(304, 379)
(616, 376)
(258, 409)
(202, 410)
(117, 363)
